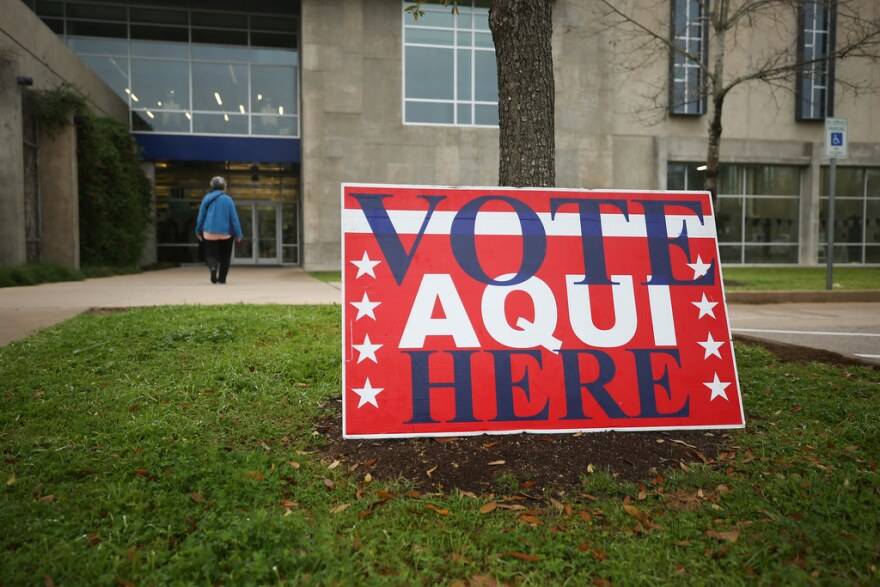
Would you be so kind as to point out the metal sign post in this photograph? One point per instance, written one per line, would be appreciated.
(835, 148)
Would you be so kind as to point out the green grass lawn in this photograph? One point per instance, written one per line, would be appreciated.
(799, 278)
(177, 445)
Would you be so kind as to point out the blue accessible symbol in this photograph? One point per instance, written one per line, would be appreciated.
(836, 139)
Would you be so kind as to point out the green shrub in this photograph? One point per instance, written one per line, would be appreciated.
(36, 273)
(115, 202)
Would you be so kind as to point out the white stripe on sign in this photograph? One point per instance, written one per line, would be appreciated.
(508, 224)
(758, 330)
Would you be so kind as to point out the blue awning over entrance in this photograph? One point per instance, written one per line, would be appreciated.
(161, 147)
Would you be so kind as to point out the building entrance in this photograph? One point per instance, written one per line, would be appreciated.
(266, 198)
(261, 224)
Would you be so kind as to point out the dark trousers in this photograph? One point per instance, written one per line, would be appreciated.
(218, 254)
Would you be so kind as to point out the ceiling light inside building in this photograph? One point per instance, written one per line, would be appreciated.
(241, 108)
(217, 97)
(701, 168)
(226, 117)
(150, 114)
(281, 110)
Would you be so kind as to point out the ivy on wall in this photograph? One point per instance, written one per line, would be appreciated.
(115, 199)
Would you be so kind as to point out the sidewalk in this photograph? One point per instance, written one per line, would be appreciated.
(850, 326)
(25, 309)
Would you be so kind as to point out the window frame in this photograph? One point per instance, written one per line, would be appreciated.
(472, 103)
(677, 59)
(807, 109)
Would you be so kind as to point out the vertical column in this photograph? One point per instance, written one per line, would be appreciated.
(808, 249)
(13, 250)
(60, 196)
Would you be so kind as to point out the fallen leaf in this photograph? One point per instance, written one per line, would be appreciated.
(495, 463)
(529, 483)
(591, 468)
(635, 513)
(489, 444)
(684, 467)
(530, 520)
(482, 581)
(431, 470)
(368, 478)
(729, 536)
(469, 494)
(434, 508)
(558, 505)
(523, 556)
(255, 475)
(489, 507)
(93, 538)
(683, 443)
(340, 508)
(197, 497)
(287, 503)
(295, 464)
(329, 484)
(333, 465)
(11, 481)
(445, 439)
(141, 473)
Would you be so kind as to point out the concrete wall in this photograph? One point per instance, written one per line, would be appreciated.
(352, 129)
(29, 48)
(612, 129)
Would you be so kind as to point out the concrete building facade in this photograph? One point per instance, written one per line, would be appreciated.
(361, 109)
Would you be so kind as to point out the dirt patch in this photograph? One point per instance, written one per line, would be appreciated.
(534, 462)
(795, 353)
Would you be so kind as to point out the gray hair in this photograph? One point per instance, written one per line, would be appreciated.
(218, 183)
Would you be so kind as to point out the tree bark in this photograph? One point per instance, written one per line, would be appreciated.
(522, 30)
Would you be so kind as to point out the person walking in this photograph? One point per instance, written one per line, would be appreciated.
(218, 227)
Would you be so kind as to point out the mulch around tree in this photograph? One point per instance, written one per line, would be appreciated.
(538, 462)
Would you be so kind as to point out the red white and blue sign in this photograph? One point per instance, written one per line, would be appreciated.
(501, 310)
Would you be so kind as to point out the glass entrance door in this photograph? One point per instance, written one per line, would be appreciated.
(260, 225)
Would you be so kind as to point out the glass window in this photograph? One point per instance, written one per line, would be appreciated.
(218, 37)
(856, 214)
(689, 37)
(98, 46)
(168, 70)
(160, 33)
(746, 215)
(273, 89)
(728, 219)
(96, 29)
(160, 85)
(113, 70)
(450, 74)
(159, 49)
(773, 180)
(219, 87)
(814, 83)
(234, 124)
(159, 16)
(96, 11)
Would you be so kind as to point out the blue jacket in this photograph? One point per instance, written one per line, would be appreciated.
(221, 218)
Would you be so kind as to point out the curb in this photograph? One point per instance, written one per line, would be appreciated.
(803, 297)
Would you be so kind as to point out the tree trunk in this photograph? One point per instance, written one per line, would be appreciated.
(713, 151)
(522, 30)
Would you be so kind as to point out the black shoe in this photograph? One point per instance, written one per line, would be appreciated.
(213, 275)
(222, 282)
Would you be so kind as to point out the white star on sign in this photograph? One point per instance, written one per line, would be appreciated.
(367, 350)
(367, 393)
(699, 267)
(717, 387)
(711, 347)
(365, 266)
(706, 307)
(365, 307)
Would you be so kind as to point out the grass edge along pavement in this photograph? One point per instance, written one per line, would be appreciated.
(178, 445)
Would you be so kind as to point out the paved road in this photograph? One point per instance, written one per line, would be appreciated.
(851, 329)
(848, 328)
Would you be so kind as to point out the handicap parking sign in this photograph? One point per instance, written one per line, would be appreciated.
(835, 138)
